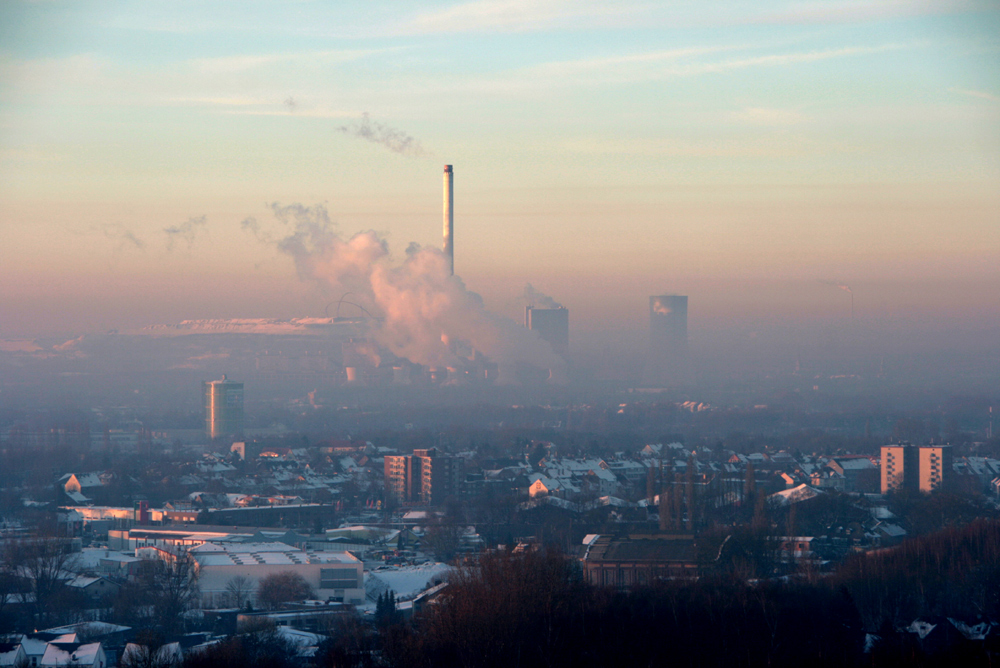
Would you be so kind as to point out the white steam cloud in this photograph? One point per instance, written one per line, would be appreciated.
(538, 298)
(418, 304)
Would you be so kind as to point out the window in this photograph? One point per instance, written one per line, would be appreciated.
(338, 578)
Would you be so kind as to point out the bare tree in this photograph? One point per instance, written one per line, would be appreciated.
(239, 590)
(169, 586)
(283, 587)
(41, 568)
(149, 651)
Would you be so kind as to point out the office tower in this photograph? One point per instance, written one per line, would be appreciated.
(552, 324)
(223, 407)
(425, 477)
(668, 338)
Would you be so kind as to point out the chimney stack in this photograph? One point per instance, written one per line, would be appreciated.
(449, 217)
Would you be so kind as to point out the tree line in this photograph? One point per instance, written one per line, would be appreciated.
(534, 610)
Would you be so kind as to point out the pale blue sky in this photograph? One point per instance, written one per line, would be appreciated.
(741, 152)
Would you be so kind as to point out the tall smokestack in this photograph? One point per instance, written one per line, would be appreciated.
(449, 217)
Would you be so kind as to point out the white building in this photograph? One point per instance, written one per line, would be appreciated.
(332, 575)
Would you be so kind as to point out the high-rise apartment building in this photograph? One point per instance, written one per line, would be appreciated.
(223, 407)
(425, 477)
(936, 462)
(915, 468)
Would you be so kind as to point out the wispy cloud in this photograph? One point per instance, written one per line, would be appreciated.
(219, 101)
(981, 94)
(658, 66)
(775, 60)
(866, 11)
(524, 15)
(244, 63)
(748, 147)
(767, 116)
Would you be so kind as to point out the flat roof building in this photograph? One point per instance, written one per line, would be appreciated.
(336, 576)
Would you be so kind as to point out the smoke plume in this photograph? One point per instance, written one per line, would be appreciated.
(186, 231)
(125, 238)
(538, 298)
(395, 140)
(419, 306)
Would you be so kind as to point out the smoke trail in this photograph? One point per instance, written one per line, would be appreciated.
(845, 288)
(186, 231)
(124, 236)
(537, 298)
(395, 140)
(839, 286)
(415, 301)
(251, 225)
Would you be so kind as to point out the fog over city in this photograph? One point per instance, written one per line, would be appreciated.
(499, 333)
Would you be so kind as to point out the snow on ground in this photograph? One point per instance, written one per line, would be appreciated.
(406, 581)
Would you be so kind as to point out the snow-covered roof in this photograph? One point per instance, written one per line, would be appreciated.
(77, 497)
(276, 554)
(971, 632)
(881, 513)
(794, 495)
(921, 628)
(406, 581)
(33, 646)
(85, 479)
(82, 581)
(83, 655)
(892, 530)
(855, 463)
(11, 654)
(90, 628)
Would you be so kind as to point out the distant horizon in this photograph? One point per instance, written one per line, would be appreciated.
(755, 159)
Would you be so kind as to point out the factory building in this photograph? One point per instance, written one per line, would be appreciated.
(425, 477)
(552, 324)
(223, 407)
(668, 339)
(915, 468)
(336, 576)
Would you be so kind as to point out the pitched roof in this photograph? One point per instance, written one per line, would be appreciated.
(71, 654)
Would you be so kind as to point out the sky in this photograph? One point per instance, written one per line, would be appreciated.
(752, 155)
